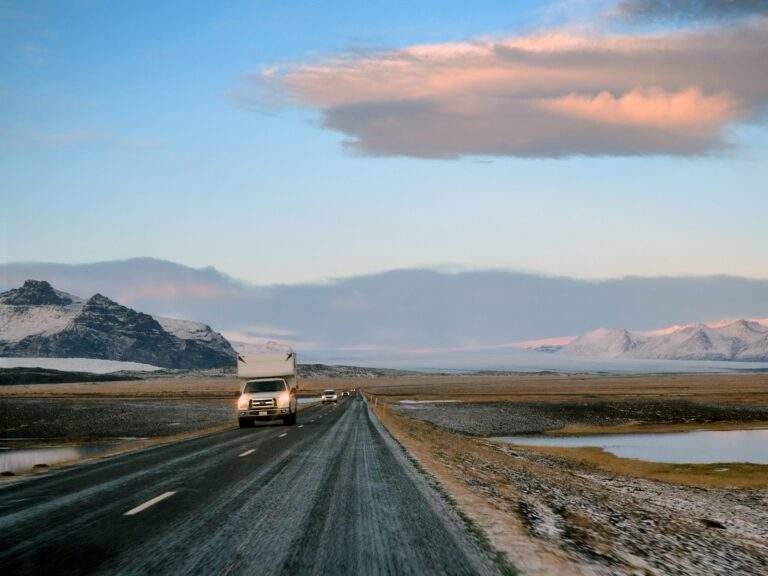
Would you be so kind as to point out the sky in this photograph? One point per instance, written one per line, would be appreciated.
(288, 142)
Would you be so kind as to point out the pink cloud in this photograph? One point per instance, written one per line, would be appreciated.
(547, 95)
(686, 109)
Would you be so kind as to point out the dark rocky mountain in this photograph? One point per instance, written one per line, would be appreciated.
(38, 321)
(35, 293)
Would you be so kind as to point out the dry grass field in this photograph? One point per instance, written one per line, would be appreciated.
(720, 388)
(158, 388)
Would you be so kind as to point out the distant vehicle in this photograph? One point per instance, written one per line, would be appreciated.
(344, 394)
(329, 396)
(268, 391)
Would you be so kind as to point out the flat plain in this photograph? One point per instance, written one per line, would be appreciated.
(547, 510)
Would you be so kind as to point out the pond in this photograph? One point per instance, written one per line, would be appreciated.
(697, 447)
(22, 459)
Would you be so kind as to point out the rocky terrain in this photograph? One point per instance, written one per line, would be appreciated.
(90, 418)
(513, 418)
(334, 371)
(38, 321)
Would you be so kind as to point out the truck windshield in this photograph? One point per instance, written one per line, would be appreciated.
(264, 386)
(329, 391)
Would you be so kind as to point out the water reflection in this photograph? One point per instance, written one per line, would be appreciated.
(699, 447)
(23, 459)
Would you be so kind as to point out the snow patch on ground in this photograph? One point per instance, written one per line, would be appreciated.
(91, 365)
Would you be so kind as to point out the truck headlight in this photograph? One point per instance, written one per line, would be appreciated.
(284, 399)
(242, 402)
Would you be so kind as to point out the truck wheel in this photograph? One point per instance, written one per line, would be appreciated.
(245, 422)
(293, 418)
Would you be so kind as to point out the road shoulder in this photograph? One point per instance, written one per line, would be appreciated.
(470, 513)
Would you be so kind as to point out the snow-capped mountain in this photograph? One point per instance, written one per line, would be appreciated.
(38, 321)
(742, 340)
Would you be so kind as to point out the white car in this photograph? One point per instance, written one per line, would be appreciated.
(329, 396)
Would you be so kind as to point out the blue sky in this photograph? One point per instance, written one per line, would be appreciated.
(120, 136)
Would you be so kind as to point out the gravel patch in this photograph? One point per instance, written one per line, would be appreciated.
(107, 418)
(515, 418)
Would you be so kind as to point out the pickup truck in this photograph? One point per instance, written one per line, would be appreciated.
(268, 389)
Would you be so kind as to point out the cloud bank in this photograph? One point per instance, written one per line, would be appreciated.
(551, 95)
(404, 310)
(655, 10)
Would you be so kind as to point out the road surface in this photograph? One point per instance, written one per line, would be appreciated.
(333, 495)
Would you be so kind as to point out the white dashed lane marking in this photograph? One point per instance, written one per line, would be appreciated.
(251, 451)
(283, 435)
(148, 503)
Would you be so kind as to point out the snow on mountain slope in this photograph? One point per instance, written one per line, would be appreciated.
(698, 342)
(603, 342)
(202, 334)
(19, 322)
(743, 340)
(186, 329)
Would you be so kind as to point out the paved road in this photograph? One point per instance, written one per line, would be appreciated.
(333, 495)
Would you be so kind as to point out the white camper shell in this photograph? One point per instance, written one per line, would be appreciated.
(268, 385)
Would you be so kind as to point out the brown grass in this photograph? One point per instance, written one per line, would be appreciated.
(157, 388)
(642, 428)
(723, 388)
(734, 475)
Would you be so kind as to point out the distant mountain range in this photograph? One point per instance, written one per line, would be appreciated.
(37, 320)
(740, 340)
(402, 318)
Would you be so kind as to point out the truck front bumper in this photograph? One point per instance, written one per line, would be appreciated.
(263, 413)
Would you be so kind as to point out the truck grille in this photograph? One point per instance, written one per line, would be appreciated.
(270, 403)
